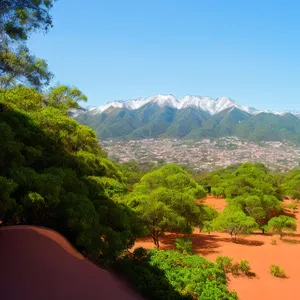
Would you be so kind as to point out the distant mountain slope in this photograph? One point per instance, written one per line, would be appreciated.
(191, 117)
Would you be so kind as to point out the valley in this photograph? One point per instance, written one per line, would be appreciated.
(205, 154)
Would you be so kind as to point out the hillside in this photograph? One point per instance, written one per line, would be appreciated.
(189, 118)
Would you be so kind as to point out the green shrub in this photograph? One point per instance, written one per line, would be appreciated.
(235, 269)
(184, 245)
(149, 280)
(140, 254)
(245, 267)
(173, 275)
(225, 263)
(277, 271)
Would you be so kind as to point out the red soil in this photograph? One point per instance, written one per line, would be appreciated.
(258, 250)
(217, 203)
(38, 263)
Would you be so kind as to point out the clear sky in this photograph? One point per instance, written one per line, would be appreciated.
(248, 50)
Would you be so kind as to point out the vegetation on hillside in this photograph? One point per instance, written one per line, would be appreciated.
(153, 121)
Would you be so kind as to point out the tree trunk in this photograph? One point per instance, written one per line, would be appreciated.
(281, 235)
(155, 239)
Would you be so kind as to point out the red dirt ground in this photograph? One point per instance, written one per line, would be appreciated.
(258, 250)
(37, 263)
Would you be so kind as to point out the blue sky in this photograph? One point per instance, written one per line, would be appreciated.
(119, 50)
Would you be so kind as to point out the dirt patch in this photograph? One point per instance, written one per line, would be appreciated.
(218, 203)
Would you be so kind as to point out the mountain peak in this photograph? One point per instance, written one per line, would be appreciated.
(205, 103)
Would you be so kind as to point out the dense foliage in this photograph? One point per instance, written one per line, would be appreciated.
(244, 179)
(184, 245)
(165, 201)
(191, 276)
(291, 184)
(18, 19)
(55, 174)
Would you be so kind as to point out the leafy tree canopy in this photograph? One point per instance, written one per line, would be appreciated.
(248, 178)
(235, 222)
(19, 18)
(165, 200)
(260, 208)
(281, 224)
(291, 184)
(54, 173)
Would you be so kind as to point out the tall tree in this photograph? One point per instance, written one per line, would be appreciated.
(18, 19)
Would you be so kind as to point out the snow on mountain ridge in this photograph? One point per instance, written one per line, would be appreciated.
(205, 103)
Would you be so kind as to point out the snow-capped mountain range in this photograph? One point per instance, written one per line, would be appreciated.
(190, 117)
(207, 104)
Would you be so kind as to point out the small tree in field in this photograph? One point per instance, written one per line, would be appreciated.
(234, 222)
(280, 224)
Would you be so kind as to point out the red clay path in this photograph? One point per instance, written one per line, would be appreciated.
(40, 264)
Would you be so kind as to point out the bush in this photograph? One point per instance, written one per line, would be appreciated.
(140, 254)
(277, 271)
(149, 280)
(191, 274)
(225, 263)
(245, 267)
(184, 245)
(235, 269)
(227, 266)
(173, 275)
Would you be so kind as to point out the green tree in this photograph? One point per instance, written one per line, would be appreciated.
(291, 184)
(234, 222)
(55, 174)
(18, 19)
(246, 179)
(260, 208)
(165, 200)
(64, 97)
(281, 224)
(160, 218)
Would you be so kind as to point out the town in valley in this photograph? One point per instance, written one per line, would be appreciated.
(205, 154)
